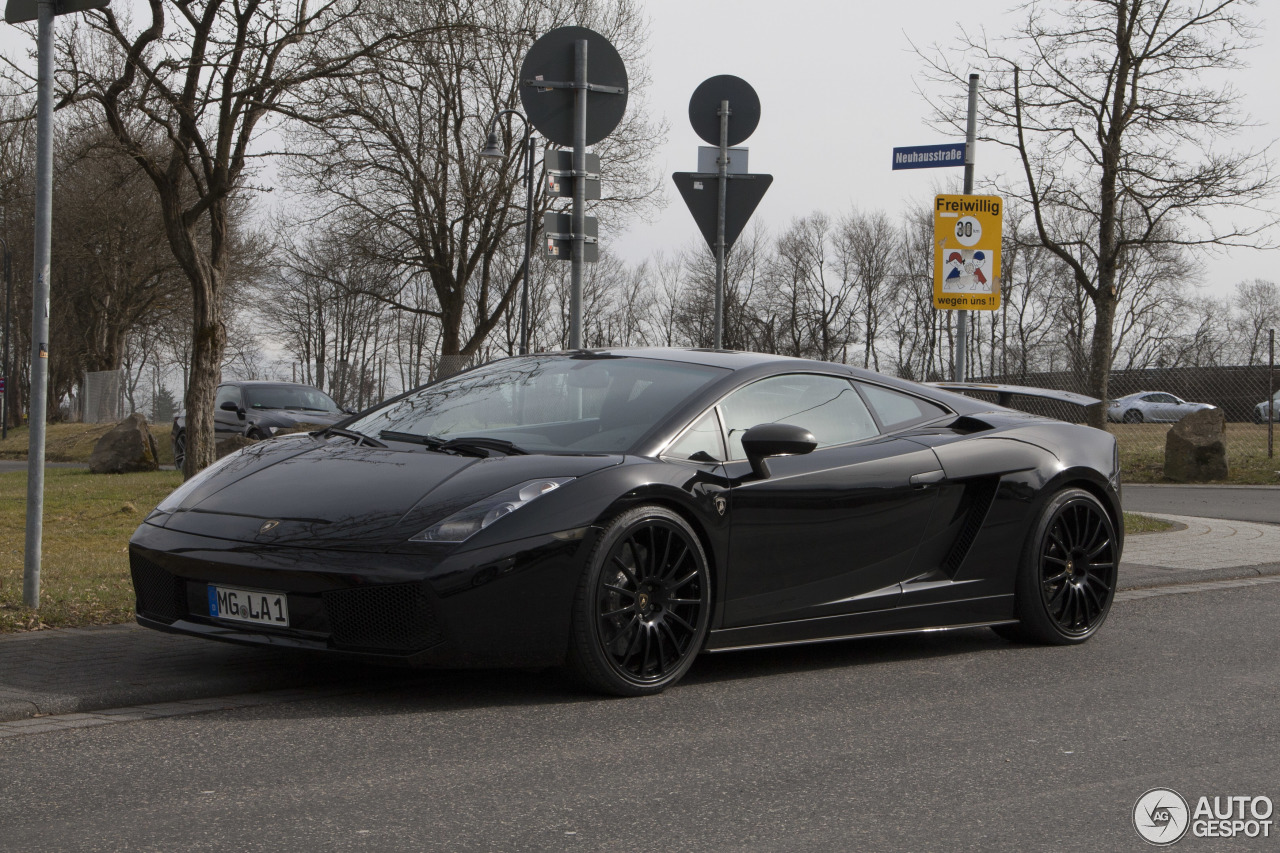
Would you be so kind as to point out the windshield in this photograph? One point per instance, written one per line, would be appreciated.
(288, 397)
(581, 403)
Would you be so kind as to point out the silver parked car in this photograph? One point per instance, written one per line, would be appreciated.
(1260, 410)
(1152, 406)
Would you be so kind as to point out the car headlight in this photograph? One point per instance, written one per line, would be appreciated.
(171, 503)
(465, 523)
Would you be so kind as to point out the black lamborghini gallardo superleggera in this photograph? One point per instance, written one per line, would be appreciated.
(621, 511)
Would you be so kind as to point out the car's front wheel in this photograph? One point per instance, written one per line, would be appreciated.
(643, 605)
(1133, 416)
(1067, 578)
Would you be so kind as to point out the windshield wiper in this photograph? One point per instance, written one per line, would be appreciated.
(360, 438)
(483, 443)
(431, 441)
(478, 445)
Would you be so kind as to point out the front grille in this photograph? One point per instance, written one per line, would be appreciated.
(396, 617)
(159, 594)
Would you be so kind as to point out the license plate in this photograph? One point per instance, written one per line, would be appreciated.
(249, 605)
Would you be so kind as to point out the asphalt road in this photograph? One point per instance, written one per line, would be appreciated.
(951, 742)
(1238, 503)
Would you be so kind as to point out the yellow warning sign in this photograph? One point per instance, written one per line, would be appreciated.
(966, 252)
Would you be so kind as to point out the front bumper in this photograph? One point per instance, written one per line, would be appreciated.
(506, 605)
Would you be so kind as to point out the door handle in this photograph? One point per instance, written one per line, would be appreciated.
(927, 478)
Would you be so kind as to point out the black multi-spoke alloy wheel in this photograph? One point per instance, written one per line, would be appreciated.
(1068, 575)
(643, 605)
(179, 449)
(1133, 416)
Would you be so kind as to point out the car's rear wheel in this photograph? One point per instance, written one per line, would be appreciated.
(643, 605)
(179, 449)
(1067, 579)
(1133, 416)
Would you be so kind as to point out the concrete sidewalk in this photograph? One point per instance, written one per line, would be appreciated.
(80, 674)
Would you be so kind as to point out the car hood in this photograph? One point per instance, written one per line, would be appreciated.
(334, 494)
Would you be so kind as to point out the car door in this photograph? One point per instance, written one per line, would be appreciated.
(830, 532)
(227, 423)
(1154, 407)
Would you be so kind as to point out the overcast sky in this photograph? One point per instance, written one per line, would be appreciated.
(838, 91)
(837, 82)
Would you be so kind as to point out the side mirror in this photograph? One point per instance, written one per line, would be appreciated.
(229, 406)
(765, 440)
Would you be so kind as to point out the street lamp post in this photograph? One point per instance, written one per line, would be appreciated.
(493, 154)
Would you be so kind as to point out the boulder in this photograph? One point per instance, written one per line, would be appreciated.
(231, 445)
(1195, 450)
(127, 446)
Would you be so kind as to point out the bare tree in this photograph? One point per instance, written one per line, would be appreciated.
(186, 93)
(1114, 110)
(393, 156)
(1257, 310)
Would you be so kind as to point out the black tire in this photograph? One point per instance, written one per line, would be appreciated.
(1133, 416)
(179, 448)
(643, 605)
(1067, 579)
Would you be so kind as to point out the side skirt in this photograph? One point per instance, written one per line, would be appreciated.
(969, 613)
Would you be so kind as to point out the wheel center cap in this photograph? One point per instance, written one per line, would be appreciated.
(643, 600)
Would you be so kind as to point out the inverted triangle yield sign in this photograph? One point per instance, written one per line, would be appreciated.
(701, 195)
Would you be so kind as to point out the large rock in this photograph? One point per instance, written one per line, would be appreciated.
(128, 446)
(1195, 450)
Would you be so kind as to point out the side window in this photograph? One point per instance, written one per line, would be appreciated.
(896, 409)
(826, 406)
(701, 438)
(226, 393)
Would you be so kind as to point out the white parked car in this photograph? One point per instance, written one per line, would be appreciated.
(1260, 410)
(1152, 406)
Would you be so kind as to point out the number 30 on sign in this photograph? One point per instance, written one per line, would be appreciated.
(966, 257)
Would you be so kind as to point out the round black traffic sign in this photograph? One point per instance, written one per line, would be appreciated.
(552, 59)
(744, 108)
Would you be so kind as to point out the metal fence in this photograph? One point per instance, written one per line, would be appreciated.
(1144, 405)
(102, 397)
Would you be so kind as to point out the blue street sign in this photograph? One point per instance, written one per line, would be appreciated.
(929, 156)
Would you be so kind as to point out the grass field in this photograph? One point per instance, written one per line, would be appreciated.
(1137, 523)
(74, 442)
(84, 562)
(1142, 453)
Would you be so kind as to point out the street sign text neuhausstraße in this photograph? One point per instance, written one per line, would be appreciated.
(929, 156)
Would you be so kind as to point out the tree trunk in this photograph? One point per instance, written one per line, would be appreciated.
(209, 341)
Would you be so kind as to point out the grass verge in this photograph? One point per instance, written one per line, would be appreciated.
(1142, 454)
(74, 442)
(1137, 523)
(88, 518)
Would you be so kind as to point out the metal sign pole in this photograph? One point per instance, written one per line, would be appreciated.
(528, 238)
(962, 322)
(8, 311)
(723, 163)
(40, 308)
(578, 223)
